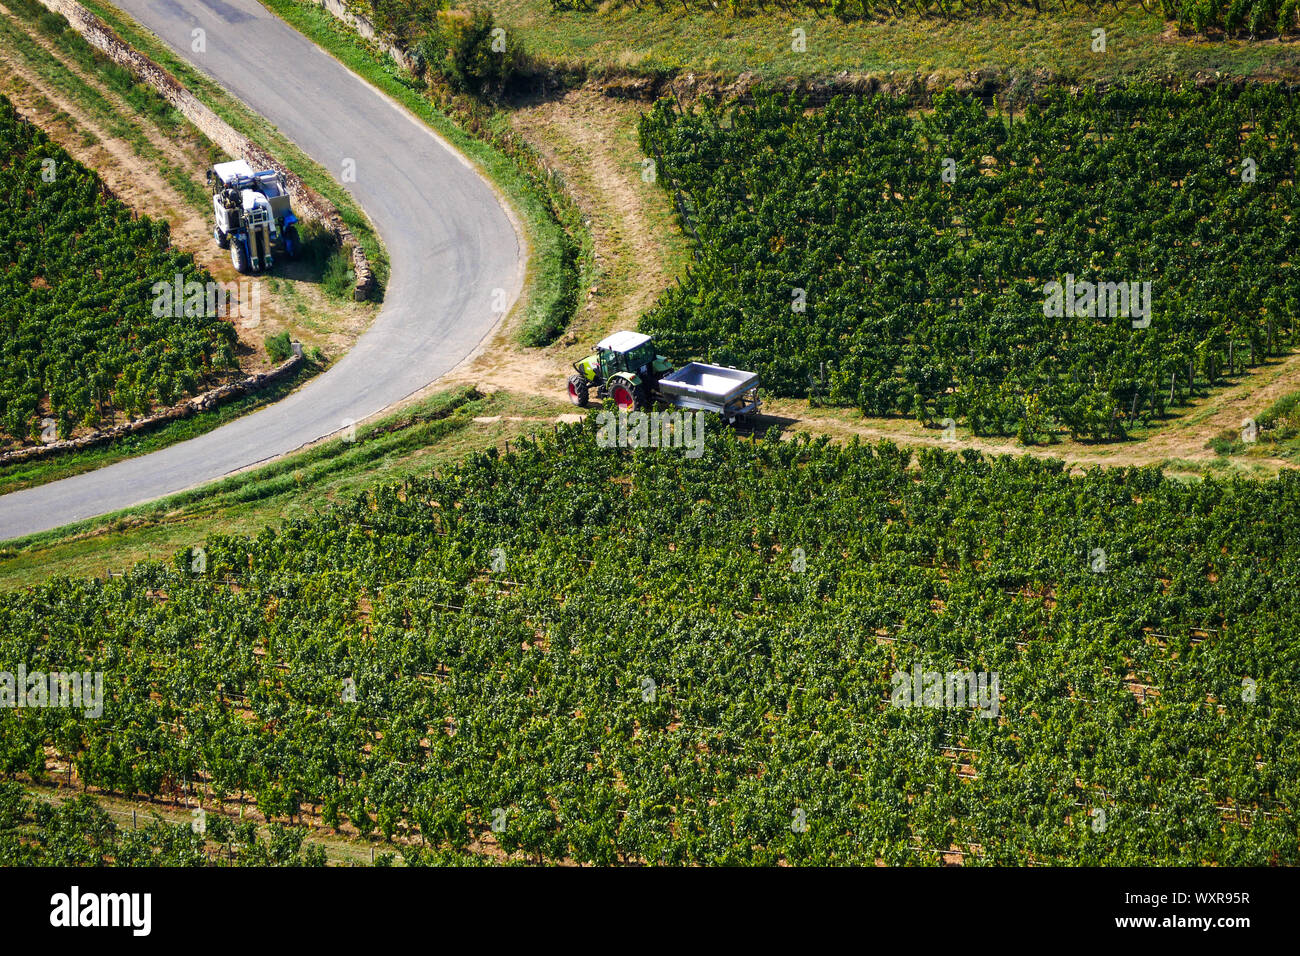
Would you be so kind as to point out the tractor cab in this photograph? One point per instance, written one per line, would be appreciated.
(625, 352)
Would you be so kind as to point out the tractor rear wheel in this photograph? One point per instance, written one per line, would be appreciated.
(625, 396)
(239, 256)
(579, 390)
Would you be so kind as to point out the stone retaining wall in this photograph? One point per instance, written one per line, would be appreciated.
(199, 403)
(338, 9)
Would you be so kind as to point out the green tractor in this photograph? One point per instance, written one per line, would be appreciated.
(623, 367)
(626, 368)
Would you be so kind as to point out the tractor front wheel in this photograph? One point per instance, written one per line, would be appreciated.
(625, 396)
(579, 390)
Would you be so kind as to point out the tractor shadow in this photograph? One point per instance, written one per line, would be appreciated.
(759, 425)
(298, 270)
(321, 262)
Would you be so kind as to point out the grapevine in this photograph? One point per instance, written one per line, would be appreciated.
(605, 657)
(901, 264)
(79, 338)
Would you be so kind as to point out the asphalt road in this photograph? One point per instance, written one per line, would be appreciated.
(450, 244)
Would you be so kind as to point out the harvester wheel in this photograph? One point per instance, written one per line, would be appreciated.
(239, 257)
(223, 240)
(579, 390)
(292, 245)
(625, 396)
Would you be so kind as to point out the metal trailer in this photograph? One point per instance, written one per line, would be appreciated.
(728, 392)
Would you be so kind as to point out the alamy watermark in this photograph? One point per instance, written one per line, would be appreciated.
(1098, 300)
(75, 909)
(73, 689)
(977, 690)
(652, 430)
(191, 300)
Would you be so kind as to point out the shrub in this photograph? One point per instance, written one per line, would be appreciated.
(337, 279)
(469, 51)
(279, 347)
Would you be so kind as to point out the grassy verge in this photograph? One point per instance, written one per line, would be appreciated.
(556, 266)
(668, 40)
(437, 429)
(256, 128)
(592, 140)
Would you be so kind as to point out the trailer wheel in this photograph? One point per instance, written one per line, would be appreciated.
(223, 240)
(239, 256)
(579, 390)
(625, 396)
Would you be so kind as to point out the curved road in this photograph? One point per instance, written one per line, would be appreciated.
(450, 242)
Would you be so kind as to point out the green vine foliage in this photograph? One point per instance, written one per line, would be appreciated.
(902, 259)
(81, 832)
(604, 656)
(79, 339)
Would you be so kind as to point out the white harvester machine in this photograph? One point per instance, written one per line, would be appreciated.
(254, 216)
